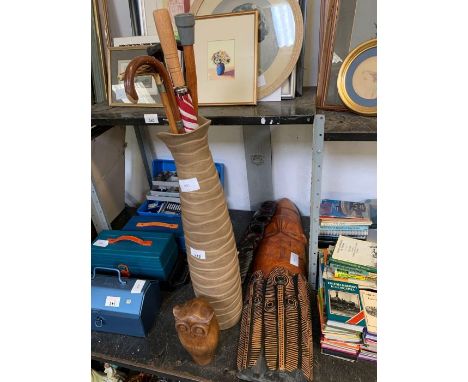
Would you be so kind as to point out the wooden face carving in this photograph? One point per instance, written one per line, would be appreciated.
(198, 329)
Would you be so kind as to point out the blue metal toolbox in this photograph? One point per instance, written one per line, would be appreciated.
(158, 224)
(124, 306)
(150, 255)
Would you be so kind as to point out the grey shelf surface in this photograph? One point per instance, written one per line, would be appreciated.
(162, 354)
(339, 126)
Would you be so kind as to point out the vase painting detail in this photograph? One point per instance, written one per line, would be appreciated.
(220, 69)
(221, 65)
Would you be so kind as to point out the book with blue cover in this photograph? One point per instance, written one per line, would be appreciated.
(343, 305)
(344, 209)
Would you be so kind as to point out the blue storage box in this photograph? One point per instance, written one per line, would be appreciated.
(150, 255)
(160, 165)
(158, 224)
(124, 306)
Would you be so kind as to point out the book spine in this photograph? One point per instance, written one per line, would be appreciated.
(343, 233)
(346, 228)
(352, 265)
(345, 223)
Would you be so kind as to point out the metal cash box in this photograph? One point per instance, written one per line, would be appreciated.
(124, 306)
(150, 255)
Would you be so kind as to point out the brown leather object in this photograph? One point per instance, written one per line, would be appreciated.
(283, 236)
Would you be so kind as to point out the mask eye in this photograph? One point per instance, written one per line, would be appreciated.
(182, 328)
(198, 330)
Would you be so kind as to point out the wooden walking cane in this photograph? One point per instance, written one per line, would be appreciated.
(185, 24)
(164, 27)
(153, 67)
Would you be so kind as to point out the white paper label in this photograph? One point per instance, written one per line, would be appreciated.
(189, 185)
(294, 259)
(138, 286)
(197, 253)
(151, 118)
(101, 243)
(112, 301)
(261, 80)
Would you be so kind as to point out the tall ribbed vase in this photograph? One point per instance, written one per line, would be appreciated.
(209, 238)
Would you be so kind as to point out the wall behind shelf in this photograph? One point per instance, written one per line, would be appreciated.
(349, 168)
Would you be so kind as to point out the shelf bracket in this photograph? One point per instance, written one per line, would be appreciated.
(315, 195)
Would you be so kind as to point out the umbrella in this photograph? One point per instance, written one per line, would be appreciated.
(169, 46)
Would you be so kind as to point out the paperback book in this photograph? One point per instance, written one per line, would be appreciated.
(359, 253)
(369, 303)
(343, 305)
(344, 209)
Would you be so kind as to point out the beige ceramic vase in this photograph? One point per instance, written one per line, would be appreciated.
(209, 238)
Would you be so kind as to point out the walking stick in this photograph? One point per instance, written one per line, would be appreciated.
(168, 98)
(169, 46)
(185, 23)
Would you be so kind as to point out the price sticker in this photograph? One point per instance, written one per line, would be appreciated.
(112, 301)
(189, 185)
(138, 286)
(101, 243)
(151, 118)
(197, 253)
(294, 259)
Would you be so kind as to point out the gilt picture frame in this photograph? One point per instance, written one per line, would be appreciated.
(357, 79)
(226, 58)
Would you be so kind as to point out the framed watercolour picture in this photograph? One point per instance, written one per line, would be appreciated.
(357, 79)
(280, 36)
(119, 58)
(226, 58)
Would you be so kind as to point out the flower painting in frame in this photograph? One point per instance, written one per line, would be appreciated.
(226, 58)
(221, 64)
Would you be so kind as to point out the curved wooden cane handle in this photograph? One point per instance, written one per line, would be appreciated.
(162, 19)
(151, 65)
(133, 69)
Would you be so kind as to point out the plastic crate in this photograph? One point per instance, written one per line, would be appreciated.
(160, 165)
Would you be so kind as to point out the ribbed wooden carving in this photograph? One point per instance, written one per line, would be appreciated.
(276, 324)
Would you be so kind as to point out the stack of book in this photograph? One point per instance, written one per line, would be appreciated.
(347, 299)
(339, 217)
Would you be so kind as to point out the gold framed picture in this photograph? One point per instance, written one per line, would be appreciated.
(280, 36)
(119, 58)
(345, 25)
(226, 58)
(357, 79)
